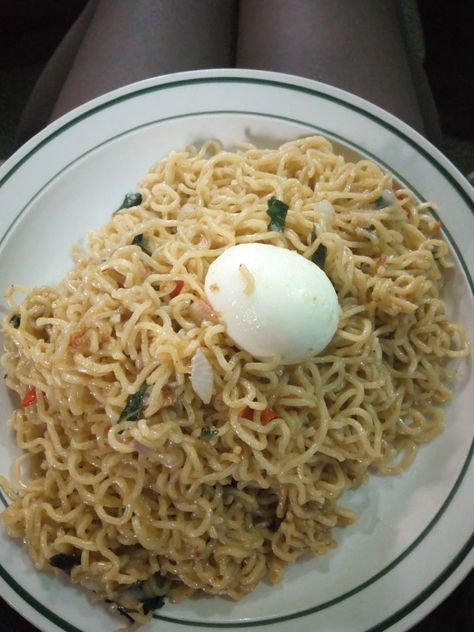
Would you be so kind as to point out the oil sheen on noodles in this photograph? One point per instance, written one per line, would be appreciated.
(184, 496)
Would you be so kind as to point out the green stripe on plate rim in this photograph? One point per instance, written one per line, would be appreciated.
(462, 554)
(3, 499)
(137, 92)
(37, 605)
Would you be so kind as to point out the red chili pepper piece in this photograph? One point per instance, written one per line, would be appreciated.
(177, 289)
(267, 415)
(400, 195)
(248, 413)
(30, 397)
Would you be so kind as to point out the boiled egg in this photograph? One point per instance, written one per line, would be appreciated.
(273, 301)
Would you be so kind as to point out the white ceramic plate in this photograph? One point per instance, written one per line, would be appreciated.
(413, 541)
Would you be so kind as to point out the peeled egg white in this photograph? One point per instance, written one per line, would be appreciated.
(273, 301)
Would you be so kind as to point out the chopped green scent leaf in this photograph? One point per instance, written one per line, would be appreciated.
(130, 199)
(319, 256)
(386, 199)
(209, 432)
(133, 410)
(139, 240)
(277, 211)
(65, 562)
(152, 604)
(15, 320)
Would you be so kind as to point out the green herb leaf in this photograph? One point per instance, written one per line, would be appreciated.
(133, 410)
(319, 256)
(209, 432)
(152, 604)
(15, 320)
(139, 240)
(277, 211)
(130, 199)
(65, 562)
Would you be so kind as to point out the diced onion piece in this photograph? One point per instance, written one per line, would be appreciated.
(76, 339)
(186, 210)
(202, 377)
(142, 449)
(326, 215)
(169, 459)
(386, 199)
(200, 311)
(169, 395)
(389, 195)
(324, 207)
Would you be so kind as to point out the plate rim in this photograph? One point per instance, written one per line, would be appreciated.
(271, 78)
(346, 99)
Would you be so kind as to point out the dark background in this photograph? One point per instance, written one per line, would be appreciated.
(442, 33)
(30, 30)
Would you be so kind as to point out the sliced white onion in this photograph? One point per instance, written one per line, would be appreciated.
(203, 243)
(142, 449)
(169, 459)
(389, 195)
(202, 377)
(324, 207)
(169, 395)
(326, 215)
(201, 310)
(186, 210)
